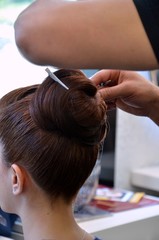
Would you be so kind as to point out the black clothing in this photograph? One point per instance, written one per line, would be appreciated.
(149, 14)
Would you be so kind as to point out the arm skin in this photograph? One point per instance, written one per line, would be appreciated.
(130, 92)
(92, 34)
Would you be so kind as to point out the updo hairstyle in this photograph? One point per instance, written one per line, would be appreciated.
(54, 133)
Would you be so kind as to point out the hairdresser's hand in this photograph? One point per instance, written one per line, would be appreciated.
(130, 92)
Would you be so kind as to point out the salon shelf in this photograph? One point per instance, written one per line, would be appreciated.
(146, 177)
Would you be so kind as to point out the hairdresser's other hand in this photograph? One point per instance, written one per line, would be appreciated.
(130, 92)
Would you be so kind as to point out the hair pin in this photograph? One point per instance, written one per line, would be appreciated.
(56, 79)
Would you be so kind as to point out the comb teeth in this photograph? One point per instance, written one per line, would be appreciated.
(56, 79)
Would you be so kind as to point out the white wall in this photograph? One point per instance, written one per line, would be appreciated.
(137, 145)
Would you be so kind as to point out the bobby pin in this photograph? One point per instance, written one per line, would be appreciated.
(104, 84)
(56, 79)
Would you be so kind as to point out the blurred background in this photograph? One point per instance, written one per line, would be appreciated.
(15, 71)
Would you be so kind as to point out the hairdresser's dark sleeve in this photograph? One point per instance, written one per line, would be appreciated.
(149, 13)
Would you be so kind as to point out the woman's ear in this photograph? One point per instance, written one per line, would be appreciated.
(17, 178)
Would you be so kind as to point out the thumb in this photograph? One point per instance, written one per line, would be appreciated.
(111, 93)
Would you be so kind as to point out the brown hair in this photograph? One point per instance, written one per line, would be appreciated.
(54, 133)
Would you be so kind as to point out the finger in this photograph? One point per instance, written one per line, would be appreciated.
(129, 109)
(115, 92)
(104, 76)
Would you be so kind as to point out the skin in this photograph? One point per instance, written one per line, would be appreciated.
(130, 92)
(84, 34)
(4, 186)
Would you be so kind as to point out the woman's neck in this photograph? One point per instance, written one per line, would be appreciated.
(43, 222)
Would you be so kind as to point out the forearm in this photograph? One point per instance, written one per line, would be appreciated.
(84, 34)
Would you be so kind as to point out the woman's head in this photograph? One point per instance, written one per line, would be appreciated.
(54, 133)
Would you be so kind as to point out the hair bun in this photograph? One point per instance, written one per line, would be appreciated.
(78, 113)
